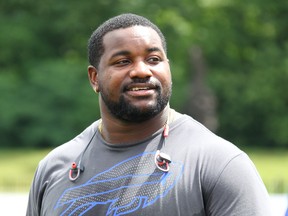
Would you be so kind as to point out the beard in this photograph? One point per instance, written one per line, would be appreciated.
(124, 110)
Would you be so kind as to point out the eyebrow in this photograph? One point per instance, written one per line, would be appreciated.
(154, 49)
(121, 53)
(126, 52)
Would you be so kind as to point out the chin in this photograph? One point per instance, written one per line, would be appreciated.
(136, 111)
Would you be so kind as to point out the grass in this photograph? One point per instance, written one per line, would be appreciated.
(17, 167)
(272, 166)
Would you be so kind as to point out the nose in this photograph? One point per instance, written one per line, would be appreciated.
(140, 70)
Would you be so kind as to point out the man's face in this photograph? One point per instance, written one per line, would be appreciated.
(134, 74)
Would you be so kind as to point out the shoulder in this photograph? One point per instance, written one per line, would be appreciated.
(229, 179)
(54, 165)
(213, 150)
(68, 151)
(187, 130)
(206, 152)
(238, 188)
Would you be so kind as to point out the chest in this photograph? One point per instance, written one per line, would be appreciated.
(127, 185)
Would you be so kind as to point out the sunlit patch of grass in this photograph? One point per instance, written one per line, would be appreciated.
(272, 166)
(17, 168)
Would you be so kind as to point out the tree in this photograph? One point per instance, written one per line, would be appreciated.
(45, 94)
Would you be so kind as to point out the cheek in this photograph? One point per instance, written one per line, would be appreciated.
(115, 82)
(166, 82)
(165, 77)
(169, 78)
(111, 85)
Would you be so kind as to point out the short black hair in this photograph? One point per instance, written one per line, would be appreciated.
(95, 43)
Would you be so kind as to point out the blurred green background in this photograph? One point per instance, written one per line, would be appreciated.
(229, 61)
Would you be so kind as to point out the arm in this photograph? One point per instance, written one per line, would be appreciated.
(239, 191)
(35, 195)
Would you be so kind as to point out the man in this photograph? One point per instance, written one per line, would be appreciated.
(142, 157)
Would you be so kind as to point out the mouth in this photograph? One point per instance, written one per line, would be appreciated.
(141, 89)
(140, 86)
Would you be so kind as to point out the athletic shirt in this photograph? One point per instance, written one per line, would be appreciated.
(208, 176)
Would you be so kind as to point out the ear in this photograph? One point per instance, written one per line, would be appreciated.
(93, 78)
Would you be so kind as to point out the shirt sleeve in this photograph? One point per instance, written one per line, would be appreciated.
(37, 190)
(239, 191)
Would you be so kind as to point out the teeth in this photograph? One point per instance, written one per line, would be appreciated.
(139, 88)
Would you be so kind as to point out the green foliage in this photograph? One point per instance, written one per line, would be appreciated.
(250, 74)
(49, 106)
(45, 94)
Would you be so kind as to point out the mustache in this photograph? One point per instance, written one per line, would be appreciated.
(142, 80)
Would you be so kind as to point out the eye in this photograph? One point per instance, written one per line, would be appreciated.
(122, 62)
(154, 60)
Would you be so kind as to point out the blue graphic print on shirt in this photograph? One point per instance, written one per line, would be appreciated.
(126, 187)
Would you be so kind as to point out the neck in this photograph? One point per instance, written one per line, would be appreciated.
(116, 131)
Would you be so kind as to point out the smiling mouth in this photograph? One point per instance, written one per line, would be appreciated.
(139, 88)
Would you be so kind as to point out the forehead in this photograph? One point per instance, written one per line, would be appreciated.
(135, 37)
